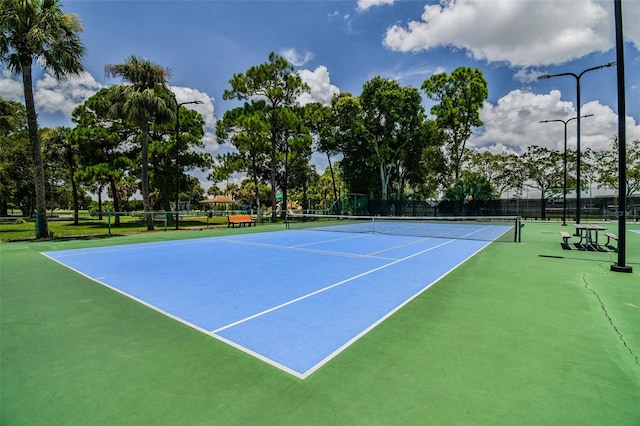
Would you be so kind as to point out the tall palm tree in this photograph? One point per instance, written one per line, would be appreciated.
(145, 98)
(39, 30)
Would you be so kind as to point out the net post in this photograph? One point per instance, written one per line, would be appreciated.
(519, 225)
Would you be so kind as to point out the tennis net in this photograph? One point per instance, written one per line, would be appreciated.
(483, 228)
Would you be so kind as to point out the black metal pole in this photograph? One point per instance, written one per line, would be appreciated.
(564, 178)
(622, 146)
(177, 164)
(578, 187)
(178, 105)
(577, 77)
(564, 184)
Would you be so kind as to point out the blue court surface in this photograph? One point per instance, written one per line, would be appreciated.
(294, 299)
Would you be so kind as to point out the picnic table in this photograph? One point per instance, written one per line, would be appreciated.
(588, 233)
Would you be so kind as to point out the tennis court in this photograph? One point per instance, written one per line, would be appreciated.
(294, 298)
(518, 334)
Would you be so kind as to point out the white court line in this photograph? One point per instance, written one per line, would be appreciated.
(421, 240)
(373, 254)
(247, 350)
(306, 296)
(131, 296)
(444, 234)
(307, 250)
(363, 235)
(383, 318)
(293, 248)
(126, 247)
(275, 308)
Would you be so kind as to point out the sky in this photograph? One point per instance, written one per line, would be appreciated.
(338, 45)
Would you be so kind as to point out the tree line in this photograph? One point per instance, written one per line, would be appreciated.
(380, 143)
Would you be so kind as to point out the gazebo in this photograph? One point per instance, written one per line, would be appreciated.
(213, 202)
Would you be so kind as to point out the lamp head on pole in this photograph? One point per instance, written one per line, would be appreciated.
(550, 121)
(190, 102)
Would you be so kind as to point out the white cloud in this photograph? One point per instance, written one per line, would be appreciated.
(206, 109)
(53, 95)
(10, 89)
(631, 17)
(521, 33)
(321, 89)
(295, 58)
(514, 122)
(527, 75)
(402, 73)
(366, 4)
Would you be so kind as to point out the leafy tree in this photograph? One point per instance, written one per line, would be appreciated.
(326, 190)
(275, 84)
(544, 170)
(344, 133)
(248, 131)
(143, 101)
(192, 190)
(420, 168)
(471, 192)
(59, 147)
(382, 136)
(162, 153)
(318, 119)
(232, 190)
(102, 146)
(39, 30)
(124, 189)
(503, 170)
(295, 150)
(588, 166)
(16, 177)
(214, 190)
(607, 167)
(302, 174)
(460, 97)
(392, 117)
(432, 172)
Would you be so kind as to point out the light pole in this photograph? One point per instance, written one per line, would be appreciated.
(178, 105)
(622, 147)
(564, 184)
(577, 77)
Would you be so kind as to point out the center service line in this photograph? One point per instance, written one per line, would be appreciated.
(275, 308)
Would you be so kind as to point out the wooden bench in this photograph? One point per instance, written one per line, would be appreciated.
(610, 236)
(565, 240)
(240, 220)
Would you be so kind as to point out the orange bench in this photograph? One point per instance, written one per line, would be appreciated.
(240, 220)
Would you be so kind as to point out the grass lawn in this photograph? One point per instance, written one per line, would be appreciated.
(62, 225)
(520, 334)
